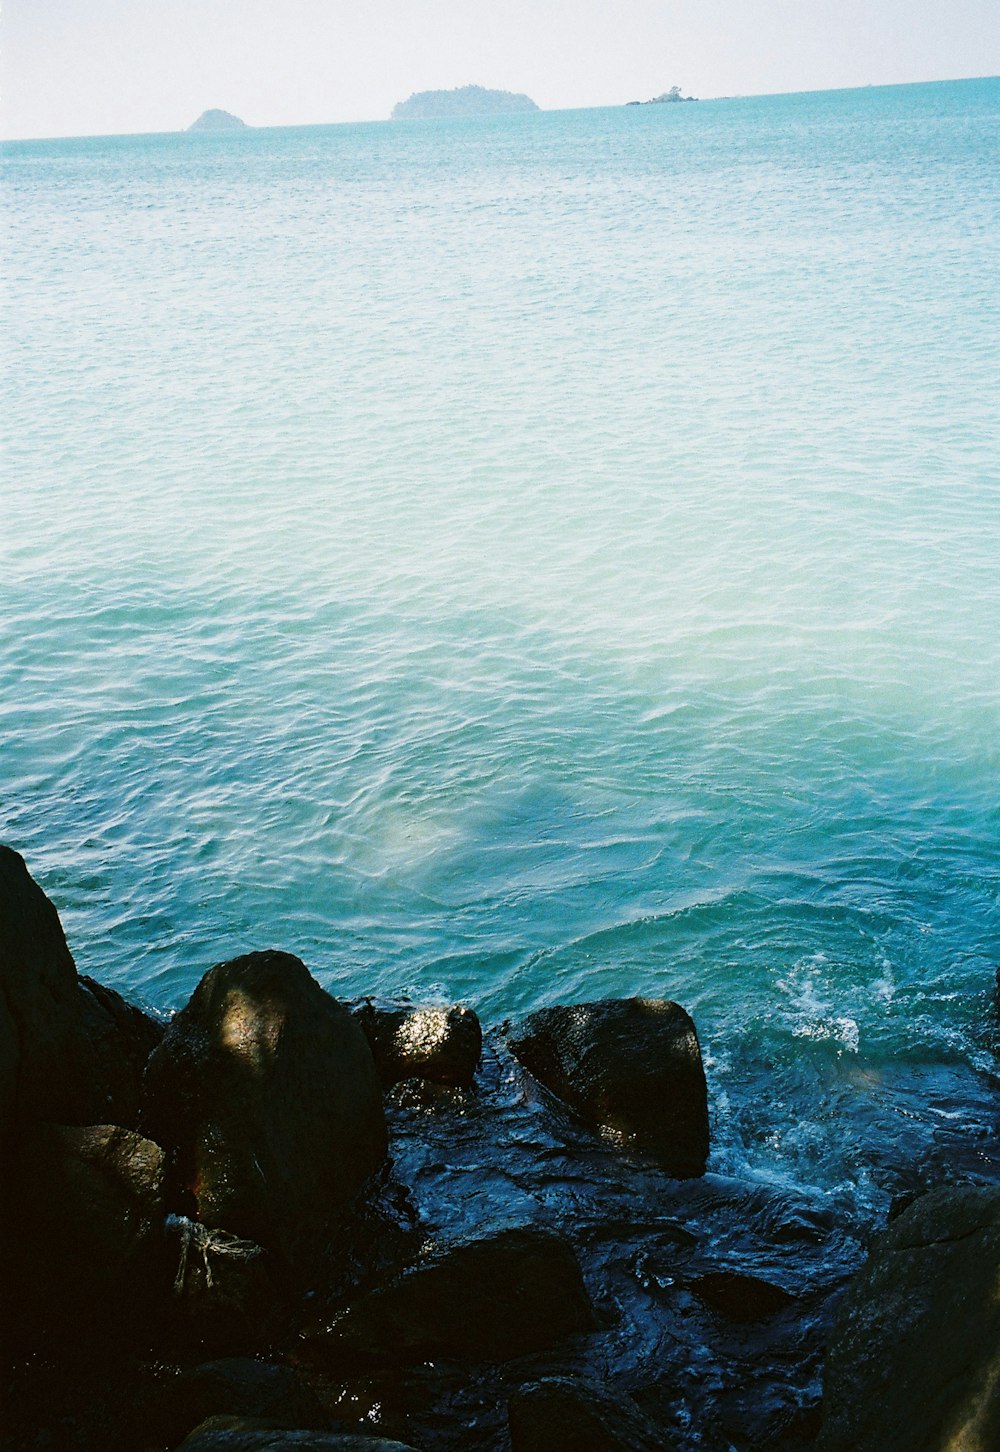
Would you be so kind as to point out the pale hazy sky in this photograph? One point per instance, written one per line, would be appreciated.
(84, 67)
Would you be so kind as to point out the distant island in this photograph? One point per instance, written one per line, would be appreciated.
(674, 94)
(463, 101)
(218, 121)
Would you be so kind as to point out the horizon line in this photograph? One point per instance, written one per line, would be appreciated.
(540, 110)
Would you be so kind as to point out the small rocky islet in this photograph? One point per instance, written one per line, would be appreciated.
(216, 120)
(665, 98)
(279, 1220)
(461, 101)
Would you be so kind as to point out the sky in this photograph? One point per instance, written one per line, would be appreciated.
(90, 67)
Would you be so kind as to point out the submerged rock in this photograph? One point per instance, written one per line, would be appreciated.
(569, 1414)
(442, 1045)
(914, 1361)
(506, 1295)
(631, 1066)
(265, 1090)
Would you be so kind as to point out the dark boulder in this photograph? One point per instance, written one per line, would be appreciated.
(244, 1434)
(506, 1295)
(106, 1053)
(265, 1091)
(10, 1073)
(568, 1414)
(85, 1229)
(38, 997)
(235, 1386)
(739, 1297)
(914, 1360)
(71, 1050)
(439, 1044)
(630, 1067)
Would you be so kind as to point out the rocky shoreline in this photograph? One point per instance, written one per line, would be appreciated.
(281, 1221)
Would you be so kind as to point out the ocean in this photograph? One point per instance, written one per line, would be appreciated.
(531, 559)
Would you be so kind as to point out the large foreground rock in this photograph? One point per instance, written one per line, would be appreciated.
(38, 997)
(628, 1066)
(914, 1362)
(507, 1295)
(442, 1045)
(71, 1050)
(265, 1091)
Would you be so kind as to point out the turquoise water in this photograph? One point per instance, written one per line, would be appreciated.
(531, 559)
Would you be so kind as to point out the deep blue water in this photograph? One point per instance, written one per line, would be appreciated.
(529, 559)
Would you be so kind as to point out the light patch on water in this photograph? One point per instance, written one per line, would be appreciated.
(401, 840)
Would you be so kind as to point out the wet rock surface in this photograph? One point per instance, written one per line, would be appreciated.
(914, 1362)
(642, 1237)
(740, 1297)
(510, 1278)
(566, 1414)
(517, 1291)
(236, 1434)
(628, 1066)
(440, 1044)
(265, 1093)
(474, 1164)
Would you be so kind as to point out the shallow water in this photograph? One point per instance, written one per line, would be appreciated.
(527, 560)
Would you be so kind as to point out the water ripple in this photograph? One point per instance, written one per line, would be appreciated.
(556, 560)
